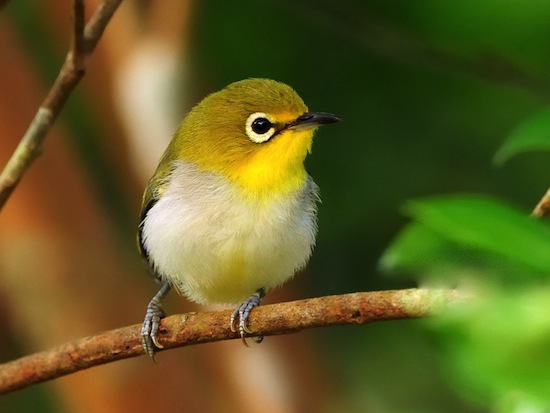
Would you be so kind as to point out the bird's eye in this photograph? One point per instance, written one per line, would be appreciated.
(259, 127)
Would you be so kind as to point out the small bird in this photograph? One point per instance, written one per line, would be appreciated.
(230, 211)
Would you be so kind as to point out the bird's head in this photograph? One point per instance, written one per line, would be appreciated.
(256, 132)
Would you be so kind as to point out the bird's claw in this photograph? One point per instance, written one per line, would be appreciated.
(151, 323)
(239, 318)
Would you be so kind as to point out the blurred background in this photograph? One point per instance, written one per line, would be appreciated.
(427, 91)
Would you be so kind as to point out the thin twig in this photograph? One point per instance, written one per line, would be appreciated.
(543, 207)
(98, 22)
(83, 41)
(205, 327)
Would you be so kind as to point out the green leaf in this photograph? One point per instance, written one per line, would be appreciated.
(420, 249)
(414, 248)
(485, 224)
(437, 259)
(531, 135)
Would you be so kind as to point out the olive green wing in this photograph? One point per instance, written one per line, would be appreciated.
(153, 193)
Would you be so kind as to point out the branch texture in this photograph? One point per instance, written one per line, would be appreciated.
(205, 327)
(543, 207)
(84, 38)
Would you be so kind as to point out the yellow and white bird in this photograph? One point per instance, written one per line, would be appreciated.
(231, 211)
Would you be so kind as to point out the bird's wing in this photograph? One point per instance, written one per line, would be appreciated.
(152, 194)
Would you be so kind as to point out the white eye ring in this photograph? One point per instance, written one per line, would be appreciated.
(259, 127)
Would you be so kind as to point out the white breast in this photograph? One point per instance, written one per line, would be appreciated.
(217, 247)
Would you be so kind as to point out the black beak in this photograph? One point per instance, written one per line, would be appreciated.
(312, 120)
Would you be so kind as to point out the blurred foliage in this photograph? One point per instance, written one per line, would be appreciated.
(496, 345)
(427, 90)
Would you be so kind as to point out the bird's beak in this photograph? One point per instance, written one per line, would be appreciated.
(312, 120)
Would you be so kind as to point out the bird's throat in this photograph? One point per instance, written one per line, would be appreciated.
(277, 168)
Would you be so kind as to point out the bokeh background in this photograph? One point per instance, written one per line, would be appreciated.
(427, 90)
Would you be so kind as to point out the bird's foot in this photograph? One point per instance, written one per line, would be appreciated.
(239, 318)
(151, 323)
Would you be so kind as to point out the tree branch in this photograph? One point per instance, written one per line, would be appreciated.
(543, 207)
(205, 327)
(84, 39)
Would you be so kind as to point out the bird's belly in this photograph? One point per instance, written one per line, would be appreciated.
(223, 250)
(229, 270)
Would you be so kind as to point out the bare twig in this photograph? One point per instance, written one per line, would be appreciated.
(83, 41)
(205, 327)
(543, 207)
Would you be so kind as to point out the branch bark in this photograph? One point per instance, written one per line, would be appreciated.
(205, 327)
(84, 39)
(543, 207)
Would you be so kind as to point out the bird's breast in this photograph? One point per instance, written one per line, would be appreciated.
(219, 245)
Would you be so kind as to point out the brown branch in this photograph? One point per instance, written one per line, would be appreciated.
(84, 39)
(205, 327)
(543, 207)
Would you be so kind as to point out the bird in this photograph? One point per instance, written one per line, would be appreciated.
(230, 211)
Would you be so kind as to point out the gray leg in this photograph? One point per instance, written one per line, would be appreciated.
(150, 327)
(239, 318)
